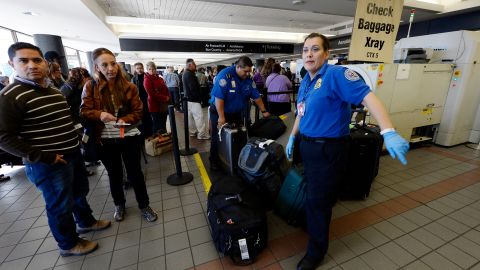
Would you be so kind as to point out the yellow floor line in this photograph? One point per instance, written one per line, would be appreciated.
(203, 173)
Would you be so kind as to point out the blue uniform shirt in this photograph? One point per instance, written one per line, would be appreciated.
(327, 98)
(233, 90)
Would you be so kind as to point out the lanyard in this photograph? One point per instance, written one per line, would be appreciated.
(308, 89)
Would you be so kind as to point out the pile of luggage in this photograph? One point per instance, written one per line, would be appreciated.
(260, 179)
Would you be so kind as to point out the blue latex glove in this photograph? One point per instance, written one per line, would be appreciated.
(396, 146)
(289, 148)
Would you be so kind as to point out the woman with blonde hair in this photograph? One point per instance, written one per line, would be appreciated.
(113, 103)
(158, 98)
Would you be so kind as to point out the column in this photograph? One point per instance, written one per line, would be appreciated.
(91, 66)
(52, 43)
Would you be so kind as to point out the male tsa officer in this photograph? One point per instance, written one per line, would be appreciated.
(231, 92)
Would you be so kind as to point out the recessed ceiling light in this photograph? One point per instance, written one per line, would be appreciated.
(298, 2)
(30, 13)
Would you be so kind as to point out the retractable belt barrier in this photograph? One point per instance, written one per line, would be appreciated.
(180, 177)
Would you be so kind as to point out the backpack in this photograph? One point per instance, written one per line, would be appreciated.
(237, 219)
(262, 164)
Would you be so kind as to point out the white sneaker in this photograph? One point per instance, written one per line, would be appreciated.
(204, 137)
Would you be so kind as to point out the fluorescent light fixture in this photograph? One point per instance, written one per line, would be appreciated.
(30, 13)
(170, 29)
(430, 1)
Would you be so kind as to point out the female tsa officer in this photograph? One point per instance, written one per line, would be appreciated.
(322, 123)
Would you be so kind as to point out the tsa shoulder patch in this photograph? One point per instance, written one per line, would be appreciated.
(222, 82)
(351, 75)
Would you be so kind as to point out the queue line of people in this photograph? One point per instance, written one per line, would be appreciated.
(116, 107)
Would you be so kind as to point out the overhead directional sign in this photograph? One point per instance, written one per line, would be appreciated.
(128, 44)
(375, 29)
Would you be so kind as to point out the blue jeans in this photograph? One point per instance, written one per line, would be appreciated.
(174, 96)
(324, 164)
(64, 188)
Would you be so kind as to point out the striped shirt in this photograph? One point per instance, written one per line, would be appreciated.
(35, 122)
(111, 132)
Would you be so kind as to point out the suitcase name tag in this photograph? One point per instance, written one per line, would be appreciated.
(243, 249)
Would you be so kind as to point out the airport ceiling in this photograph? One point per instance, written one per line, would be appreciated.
(88, 24)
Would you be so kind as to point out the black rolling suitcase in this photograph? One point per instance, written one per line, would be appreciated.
(237, 219)
(231, 141)
(363, 161)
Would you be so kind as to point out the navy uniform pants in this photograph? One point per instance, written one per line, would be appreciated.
(324, 162)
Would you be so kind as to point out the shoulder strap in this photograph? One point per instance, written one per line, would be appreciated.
(274, 78)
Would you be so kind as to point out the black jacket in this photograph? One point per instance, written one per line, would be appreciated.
(191, 87)
(138, 81)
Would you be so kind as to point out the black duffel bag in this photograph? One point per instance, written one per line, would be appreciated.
(271, 128)
(237, 219)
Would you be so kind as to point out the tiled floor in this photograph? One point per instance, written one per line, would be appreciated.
(425, 215)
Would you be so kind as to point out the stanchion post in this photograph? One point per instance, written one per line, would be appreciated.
(187, 151)
(179, 178)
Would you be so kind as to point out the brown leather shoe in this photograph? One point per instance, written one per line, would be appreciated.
(97, 226)
(83, 247)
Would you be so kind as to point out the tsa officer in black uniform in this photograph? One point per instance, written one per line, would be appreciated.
(231, 92)
(322, 123)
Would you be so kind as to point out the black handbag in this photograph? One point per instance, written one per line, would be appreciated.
(90, 153)
(270, 128)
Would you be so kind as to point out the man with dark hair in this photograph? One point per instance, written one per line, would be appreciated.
(191, 87)
(137, 79)
(35, 124)
(231, 92)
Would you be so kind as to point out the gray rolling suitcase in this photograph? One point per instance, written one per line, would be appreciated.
(231, 141)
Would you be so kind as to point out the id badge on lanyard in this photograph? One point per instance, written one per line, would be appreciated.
(301, 108)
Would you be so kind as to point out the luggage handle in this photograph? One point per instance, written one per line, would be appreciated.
(228, 125)
(237, 197)
(364, 115)
(220, 132)
(267, 143)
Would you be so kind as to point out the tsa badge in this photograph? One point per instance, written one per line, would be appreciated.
(318, 83)
(254, 85)
(223, 82)
(233, 84)
(351, 75)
